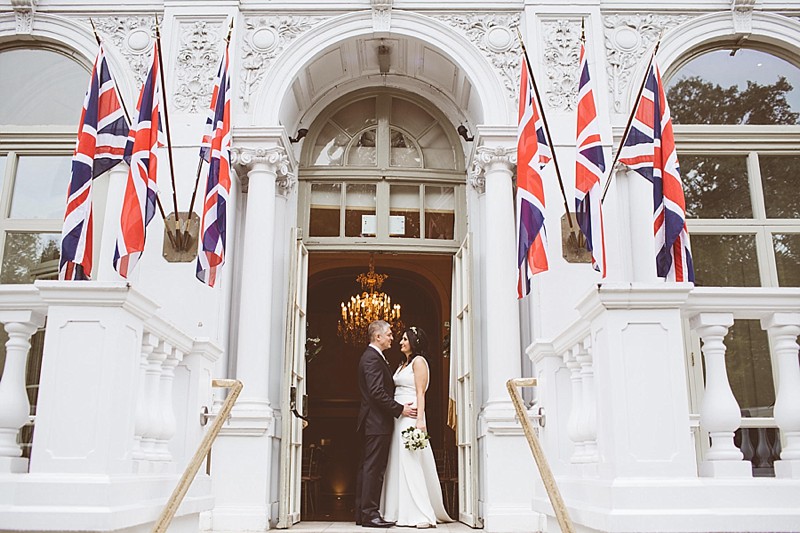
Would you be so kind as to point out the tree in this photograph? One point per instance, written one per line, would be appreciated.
(693, 100)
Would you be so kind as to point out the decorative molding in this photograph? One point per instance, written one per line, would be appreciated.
(284, 185)
(486, 157)
(274, 158)
(264, 39)
(381, 15)
(628, 38)
(24, 10)
(198, 56)
(133, 37)
(495, 36)
(742, 12)
(561, 57)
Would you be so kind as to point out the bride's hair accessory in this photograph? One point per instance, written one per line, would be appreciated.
(418, 340)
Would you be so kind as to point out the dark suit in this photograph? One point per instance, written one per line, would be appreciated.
(375, 423)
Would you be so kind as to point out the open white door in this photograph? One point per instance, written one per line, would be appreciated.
(461, 352)
(293, 395)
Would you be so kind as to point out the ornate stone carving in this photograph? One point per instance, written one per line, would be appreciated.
(561, 56)
(742, 11)
(275, 158)
(381, 15)
(487, 157)
(133, 37)
(24, 11)
(265, 38)
(495, 36)
(628, 39)
(198, 56)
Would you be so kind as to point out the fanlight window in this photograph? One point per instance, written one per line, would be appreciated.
(383, 131)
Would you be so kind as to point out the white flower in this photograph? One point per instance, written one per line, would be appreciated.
(414, 438)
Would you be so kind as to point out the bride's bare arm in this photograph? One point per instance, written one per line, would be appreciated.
(420, 366)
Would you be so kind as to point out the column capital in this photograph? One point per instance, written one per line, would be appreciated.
(485, 159)
(274, 159)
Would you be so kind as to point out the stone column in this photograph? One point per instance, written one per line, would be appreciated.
(783, 329)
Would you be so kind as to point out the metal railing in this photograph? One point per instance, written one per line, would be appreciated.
(564, 521)
(166, 516)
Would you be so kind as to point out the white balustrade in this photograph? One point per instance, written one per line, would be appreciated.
(166, 407)
(573, 422)
(141, 421)
(14, 404)
(783, 329)
(587, 418)
(155, 360)
(719, 412)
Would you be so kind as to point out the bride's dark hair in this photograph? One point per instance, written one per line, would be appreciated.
(418, 341)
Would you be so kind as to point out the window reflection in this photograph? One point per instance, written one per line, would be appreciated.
(362, 153)
(749, 368)
(404, 153)
(40, 187)
(360, 201)
(716, 186)
(779, 180)
(748, 87)
(325, 216)
(725, 260)
(404, 201)
(787, 258)
(329, 150)
(440, 208)
(30, 256)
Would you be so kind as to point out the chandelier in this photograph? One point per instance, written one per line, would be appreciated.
(363, 309)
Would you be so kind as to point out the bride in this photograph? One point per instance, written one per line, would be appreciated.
(412, 495)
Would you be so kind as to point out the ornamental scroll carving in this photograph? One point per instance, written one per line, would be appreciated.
(629, 38)
(742, 11)
(275, 159)
(485, 157)
(496, 36)
(561, 58)
(24, 10)
(265, 38)
(199, 50)
(133, 37)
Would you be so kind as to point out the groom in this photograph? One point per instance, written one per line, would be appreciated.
(375, 423)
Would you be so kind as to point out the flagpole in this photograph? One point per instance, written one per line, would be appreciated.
(546, 128)
(630, 120)
(169, 138)
(200, 163)
(116, 89)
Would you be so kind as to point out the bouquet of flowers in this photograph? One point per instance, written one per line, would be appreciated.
(415, 438)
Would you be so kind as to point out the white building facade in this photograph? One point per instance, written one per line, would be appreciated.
(666, 406)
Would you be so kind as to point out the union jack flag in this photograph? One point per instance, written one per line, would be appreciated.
(590, 167)
(139, 202)
(649, 149)
(102, 135)
(215, 148)
(533, 154)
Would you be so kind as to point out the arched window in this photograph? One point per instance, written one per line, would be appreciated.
(385, 167)
(736, 113)
(43, 92)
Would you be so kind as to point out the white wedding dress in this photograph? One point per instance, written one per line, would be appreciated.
(411, 494)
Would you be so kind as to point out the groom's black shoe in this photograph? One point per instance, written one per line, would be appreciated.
(377, 522)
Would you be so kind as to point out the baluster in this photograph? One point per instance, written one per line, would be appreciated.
(154, 424)
(763, 449)
(174, 357)
(775, 453)
(783, 329)
(573, 422)
(748, 451)
(588, 414)
(142, 420)
(719, 412)
(14, 405)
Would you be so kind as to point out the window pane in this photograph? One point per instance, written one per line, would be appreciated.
(3, 159)
(404, 201)
(725, 260)
(748, 87)
(356, 116)
(30, 256)
(410, 117)
(360, 201)
(40, 187)
(787, 257)
(30, 94)
(779, 179)
(403, 151)
(326, 200)
(437, 151)
(440, 209)
(749, 368)
(362, 153)
(716, 186)
(330, 147)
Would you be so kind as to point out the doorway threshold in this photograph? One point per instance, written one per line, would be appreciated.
(350, 527)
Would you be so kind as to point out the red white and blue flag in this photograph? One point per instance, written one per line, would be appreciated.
(139, 202)
(102, 136)
(590, 167)
(649, 149)
(533, 154)
(215, 148)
